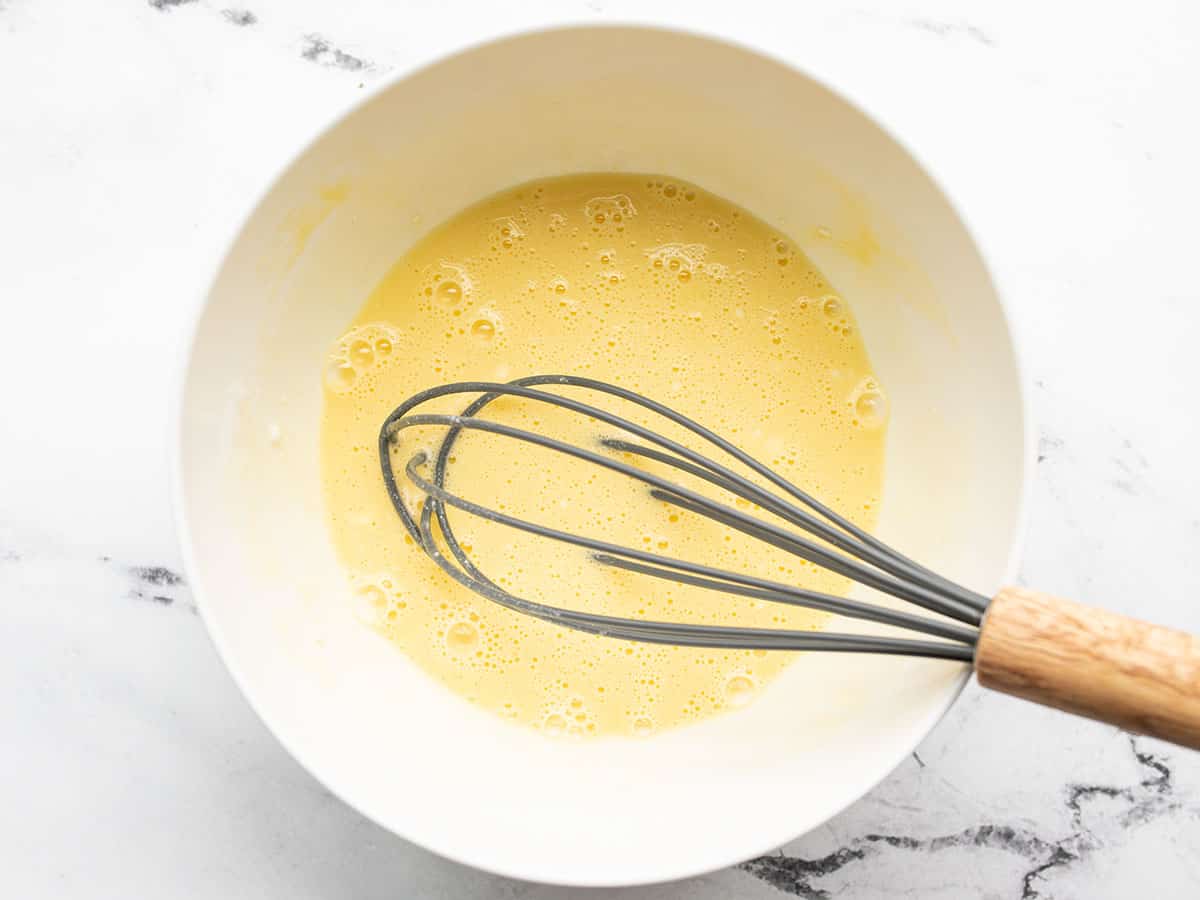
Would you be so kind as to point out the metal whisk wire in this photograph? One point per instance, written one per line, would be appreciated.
(862, 557)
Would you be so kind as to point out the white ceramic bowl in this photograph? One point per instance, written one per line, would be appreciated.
(352, 709)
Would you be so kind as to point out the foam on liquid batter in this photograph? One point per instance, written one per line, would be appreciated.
(647, 282)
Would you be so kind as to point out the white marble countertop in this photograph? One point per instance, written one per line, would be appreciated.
(132, 138)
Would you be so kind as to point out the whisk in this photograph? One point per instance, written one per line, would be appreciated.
(1056, 652)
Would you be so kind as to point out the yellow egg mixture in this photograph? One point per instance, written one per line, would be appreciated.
(652, 284)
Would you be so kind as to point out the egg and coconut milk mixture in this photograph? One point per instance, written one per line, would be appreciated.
(649, 283)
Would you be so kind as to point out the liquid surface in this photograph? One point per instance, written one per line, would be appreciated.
(647, 282)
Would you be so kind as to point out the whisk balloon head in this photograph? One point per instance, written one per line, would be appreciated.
(783, 516)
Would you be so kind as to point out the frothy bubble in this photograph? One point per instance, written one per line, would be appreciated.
(340, 375)
(462, 636)
(448, 283)
(506, 232)
(614, 209)
(739, 690)
(362, 354)
(360, 350)
(370, 599)
(682, 260)
(870, 404)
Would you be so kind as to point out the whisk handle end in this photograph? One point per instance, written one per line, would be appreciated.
(1091, 662)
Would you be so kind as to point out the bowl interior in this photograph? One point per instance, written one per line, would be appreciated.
(378, 732)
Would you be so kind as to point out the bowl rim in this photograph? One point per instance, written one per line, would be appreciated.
(188, 336)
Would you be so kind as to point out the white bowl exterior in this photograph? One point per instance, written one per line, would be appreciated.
(380, 733)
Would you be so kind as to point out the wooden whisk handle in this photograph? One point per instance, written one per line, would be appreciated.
(1093, 663)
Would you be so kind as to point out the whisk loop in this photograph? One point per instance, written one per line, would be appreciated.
(846, 550)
